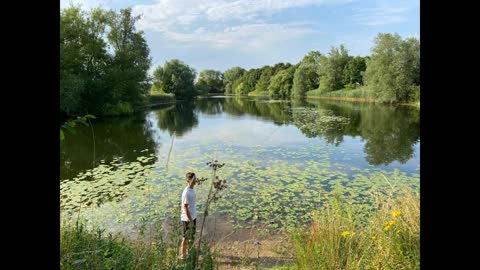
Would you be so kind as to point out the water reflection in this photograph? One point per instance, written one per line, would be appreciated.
(123, 137)
(389, 133)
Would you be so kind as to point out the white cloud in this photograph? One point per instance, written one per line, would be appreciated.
(168, 13)
(385, 13)
(86, 4)
(245, 37)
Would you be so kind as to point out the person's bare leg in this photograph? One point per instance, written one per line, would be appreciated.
(184, 247)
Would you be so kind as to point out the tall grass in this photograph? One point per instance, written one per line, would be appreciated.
(389, 238)
(86, 246)
(361, 92)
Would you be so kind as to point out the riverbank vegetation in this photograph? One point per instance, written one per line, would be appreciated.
(104, 63)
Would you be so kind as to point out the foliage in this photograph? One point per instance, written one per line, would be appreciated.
(175, 77)
(210, 81)
(394, 68)
(332, 71)
(281, 83)
(91, 74)
(337, 239)
(247, 82)
(69, 125)
(230, 76)
(305, 79)
(353, 71)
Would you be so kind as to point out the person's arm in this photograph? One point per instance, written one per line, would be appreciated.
(185, 207)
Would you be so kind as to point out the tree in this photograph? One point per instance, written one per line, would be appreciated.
(281, 84)
(353, 71)
(93, 79)
(230, 76)
(247, 82)
(332, 72)
(175, 77)
(210, 81)
(304, 79)
(264, 80)
(393, 72)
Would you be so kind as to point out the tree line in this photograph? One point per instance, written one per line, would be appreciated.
(104, 63)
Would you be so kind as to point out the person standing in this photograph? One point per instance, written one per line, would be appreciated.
(189, 215)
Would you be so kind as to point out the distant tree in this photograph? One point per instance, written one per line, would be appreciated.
(247, 82)
(393, 72)
(175, 77)
(305, 79)
(210, 81)
(354, 70)
(264, 80)
(332, 72)
(230, 76)
(281, 83)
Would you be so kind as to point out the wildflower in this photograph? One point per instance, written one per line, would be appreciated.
(388, 225)
(397, 231)
(396, 213)
(348, 233)
(374, 238)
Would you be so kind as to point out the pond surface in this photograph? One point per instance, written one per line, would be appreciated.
(282, 158)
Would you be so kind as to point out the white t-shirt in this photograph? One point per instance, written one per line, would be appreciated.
(188, 197)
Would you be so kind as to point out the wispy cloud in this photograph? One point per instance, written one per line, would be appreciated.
(245, 36)
(385, 13)
(167, 13)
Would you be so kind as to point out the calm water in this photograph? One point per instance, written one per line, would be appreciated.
(296, 149)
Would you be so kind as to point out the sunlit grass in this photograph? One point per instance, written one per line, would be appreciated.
(337, 239)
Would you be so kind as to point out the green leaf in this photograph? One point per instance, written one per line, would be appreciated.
(62, 136)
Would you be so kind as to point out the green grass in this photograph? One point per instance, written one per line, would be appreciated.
(160, 98)
(258, 93)
(336, 239)
(361, 92)
(86, 246)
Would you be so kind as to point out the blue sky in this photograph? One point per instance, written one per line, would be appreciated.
(220, 34)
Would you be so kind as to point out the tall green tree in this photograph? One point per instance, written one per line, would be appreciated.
(103, 62)
(393, 72)
(247, 82)
(210, 81)
(230, 76)
(307, 74)
(281, 83)
(175, 77)
(332, 72)
(354, 70)
(131, 60)
(266, 73)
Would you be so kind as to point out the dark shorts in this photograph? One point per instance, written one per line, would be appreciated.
(188, 229)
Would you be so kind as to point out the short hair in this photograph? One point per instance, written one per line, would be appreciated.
(190, 176)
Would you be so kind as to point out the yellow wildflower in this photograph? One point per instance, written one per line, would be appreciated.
(374, 238)
(388, 225)
(348, 233)
(396, 213)
(397, 231)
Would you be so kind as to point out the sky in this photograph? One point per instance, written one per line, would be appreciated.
(221, 34)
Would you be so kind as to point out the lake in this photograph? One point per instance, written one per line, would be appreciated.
(283, 158)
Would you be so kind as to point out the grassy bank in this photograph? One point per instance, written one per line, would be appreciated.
(258, 94)
(358, 94)
(337, 239)
(341, 235)
(86, 246)
(155, 98)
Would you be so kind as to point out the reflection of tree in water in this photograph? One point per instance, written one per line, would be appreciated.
(319, 122)
(390, 132)
(390, 135)
(210, 106)
(178, 119)
(265, 109)
(123, 137)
